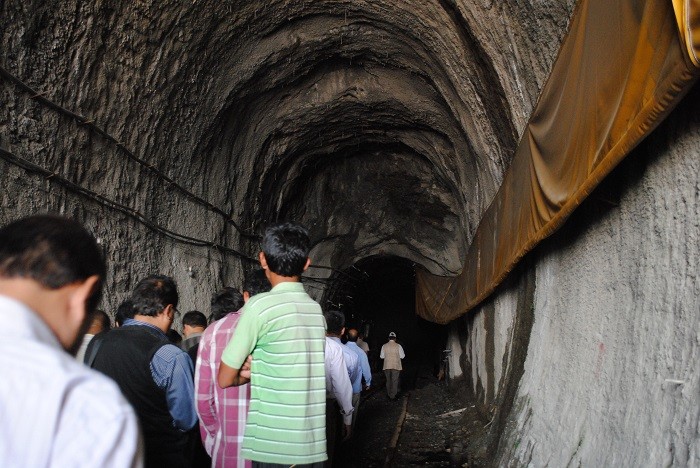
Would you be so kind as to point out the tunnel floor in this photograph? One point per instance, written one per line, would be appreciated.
(430, 424)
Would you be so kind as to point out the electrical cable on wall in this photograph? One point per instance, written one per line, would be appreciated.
(89, 123)
(104, 201)
(52, 177)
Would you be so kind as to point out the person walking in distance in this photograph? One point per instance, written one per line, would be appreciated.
(392, 353)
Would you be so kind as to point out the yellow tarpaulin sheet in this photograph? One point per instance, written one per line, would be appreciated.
(621, 69)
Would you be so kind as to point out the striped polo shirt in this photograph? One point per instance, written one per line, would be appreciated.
(285, 332)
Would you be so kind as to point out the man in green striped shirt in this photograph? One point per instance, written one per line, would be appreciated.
(284, 331)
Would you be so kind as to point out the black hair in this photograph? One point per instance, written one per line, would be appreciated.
(286, 247)
(124, 311)
(194, 318)
(224, 302)
(53, 251)
(153, 294)
(101, 317)
(335, 321)
(256, 282)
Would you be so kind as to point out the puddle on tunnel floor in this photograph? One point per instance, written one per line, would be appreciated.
(434, 432)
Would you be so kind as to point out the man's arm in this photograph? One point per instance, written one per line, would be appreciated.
(232, 377)
(341, 388)
(401, 353)
(381, 353)
(172, 371)
(234, 368)
(366, 371)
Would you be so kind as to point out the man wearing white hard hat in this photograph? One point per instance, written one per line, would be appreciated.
(392, 353)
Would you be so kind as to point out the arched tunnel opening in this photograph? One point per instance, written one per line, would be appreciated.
(377, 296)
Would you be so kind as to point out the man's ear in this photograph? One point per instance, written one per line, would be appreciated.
(263, 260)
(308, 262)
(79, 296)
(246, 296)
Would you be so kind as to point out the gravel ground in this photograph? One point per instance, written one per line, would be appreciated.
(440, 428)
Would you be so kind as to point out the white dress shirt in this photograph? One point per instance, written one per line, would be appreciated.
(56, 412)
(338, 384)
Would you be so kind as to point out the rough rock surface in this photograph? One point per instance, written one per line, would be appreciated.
(386, 127)
(601, 368)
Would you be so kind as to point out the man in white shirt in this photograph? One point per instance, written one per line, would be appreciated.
(338, 396)
(55, 411)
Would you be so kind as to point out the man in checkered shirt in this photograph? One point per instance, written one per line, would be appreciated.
(223, 412)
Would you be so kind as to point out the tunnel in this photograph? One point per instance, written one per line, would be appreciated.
(377, 297)
(515, 182)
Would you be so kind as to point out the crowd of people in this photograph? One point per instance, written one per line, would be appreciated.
(268, 380)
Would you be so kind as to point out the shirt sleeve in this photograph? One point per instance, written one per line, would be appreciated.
(243, 341)
(366, 371)
(381, 353)
(172, 371)
(204, 392)
(401, 353)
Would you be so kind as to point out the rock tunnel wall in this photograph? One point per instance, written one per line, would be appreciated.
(588, 355)
(352, 117)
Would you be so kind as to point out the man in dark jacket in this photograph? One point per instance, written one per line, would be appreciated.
(154, 375)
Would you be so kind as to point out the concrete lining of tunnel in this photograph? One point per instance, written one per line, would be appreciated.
(385, 127)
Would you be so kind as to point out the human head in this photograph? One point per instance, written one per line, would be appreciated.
(353, 335)
(124, 311)
(285, 249)
(193, 322)
(335, 322)
(99, 322)
(255, 283)
(392, 336)
(55, 267)
(224, 302)
(156, 296)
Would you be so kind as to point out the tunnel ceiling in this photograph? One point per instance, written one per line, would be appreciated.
(385, 127)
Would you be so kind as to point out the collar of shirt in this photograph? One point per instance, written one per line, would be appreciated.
(133, 322)
(288, 286)
(20, 321)
(336, 339)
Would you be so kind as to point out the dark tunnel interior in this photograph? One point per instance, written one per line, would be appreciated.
(377, 296)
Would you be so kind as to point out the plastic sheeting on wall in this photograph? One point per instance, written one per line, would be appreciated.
(622, 67)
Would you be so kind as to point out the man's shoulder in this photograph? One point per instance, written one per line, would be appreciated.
(350, 352)
(333, 345)
(85, 386)
(281, 304)
(169, 352)
(359, 351)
